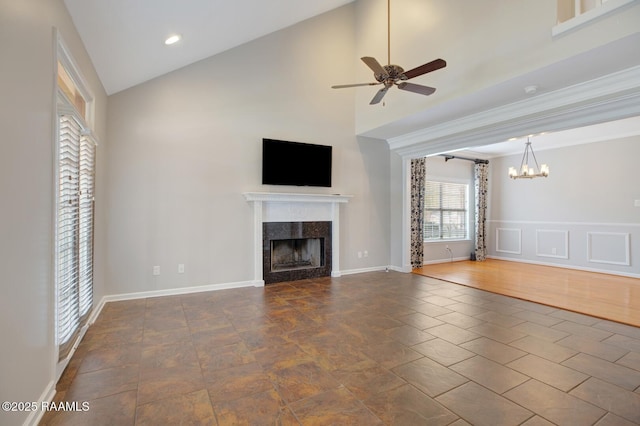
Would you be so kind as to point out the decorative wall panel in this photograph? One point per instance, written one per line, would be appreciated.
(552, 243)
(609, 247)
(509, 240)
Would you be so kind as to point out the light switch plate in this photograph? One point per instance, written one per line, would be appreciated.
(636, 203)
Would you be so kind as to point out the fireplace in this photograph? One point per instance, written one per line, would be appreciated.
(297, 253)
(296, 250)
(287, 208)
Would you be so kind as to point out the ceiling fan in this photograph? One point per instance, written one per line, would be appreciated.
(390, 74)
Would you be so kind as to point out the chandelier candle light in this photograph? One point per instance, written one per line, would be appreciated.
(527, 171)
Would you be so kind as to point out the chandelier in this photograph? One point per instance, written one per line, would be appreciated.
(527, 171)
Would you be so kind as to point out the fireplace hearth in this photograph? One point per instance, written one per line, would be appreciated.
(296, 250)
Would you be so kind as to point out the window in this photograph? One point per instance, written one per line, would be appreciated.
(76, 151)
(71, 91)
(573, 14)
(445, 211)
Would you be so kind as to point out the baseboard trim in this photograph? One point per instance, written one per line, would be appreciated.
(181, 290)
(557, 265)
(453, 259)
(404, 269)
(47, 396)
(364, 270)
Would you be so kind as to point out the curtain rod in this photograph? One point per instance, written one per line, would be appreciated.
(448, 157)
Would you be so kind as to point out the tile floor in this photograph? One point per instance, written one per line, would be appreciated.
(368, 349)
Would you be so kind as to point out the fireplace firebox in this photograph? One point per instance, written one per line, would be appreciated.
(296, 250)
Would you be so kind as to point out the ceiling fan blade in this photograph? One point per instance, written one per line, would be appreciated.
(416, 88)
(342, 86)
(423, 69)
(378, 97)
(374, 65)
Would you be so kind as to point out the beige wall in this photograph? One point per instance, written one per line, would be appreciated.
(484, 43)
(26, 190)
(184, 147)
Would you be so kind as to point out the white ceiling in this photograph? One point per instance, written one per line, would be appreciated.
(125, 38)
(583, 135)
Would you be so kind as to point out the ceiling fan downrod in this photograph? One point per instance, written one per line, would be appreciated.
(394, 75)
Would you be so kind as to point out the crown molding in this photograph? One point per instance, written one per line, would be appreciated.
(611, 97)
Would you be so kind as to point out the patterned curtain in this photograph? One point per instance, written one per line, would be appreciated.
(482, 183)
(418, 171)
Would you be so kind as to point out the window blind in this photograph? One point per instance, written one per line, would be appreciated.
(86, 224)
(74, 265)
(445, 210)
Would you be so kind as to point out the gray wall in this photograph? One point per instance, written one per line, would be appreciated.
(580, 216)
(28, 356)
(184, 147)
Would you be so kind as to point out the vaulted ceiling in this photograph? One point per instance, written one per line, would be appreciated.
(125, 39)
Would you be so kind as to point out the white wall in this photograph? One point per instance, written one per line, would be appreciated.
(577, 217)
(184, 147)
(27, 364)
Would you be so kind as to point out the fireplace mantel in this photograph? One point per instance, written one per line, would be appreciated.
(292, 207)
(285, 197)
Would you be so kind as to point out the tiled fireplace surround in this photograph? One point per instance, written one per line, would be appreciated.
(305, 246)
(311, 213)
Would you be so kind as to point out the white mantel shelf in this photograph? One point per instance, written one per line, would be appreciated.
(284, 197)
(292, 207)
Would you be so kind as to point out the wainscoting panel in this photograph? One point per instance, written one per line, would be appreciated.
(509, 240)
(599, 247)
(552, 243)
(608, 247)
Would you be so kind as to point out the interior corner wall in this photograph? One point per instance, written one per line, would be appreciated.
(184, 147)
(397, 193)
(582, 216)
(28, 355)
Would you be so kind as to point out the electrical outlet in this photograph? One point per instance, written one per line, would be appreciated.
(636, 203)
(366, 253)
(156, 270)
(181, 268)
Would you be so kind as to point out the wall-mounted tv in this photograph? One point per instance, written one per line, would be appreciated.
(295, 163)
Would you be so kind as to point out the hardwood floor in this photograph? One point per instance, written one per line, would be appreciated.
(605, 296)
(367, 349)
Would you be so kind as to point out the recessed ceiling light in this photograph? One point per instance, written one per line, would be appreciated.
(173, 39)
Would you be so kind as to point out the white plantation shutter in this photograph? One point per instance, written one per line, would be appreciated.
(86, 212)
(445, 211)
(74, 265)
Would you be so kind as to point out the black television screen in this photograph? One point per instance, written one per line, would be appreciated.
(295, 163)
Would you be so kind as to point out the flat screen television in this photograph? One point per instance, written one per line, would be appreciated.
(295, 163)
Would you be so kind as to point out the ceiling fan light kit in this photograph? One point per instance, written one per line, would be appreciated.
(390, 75)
